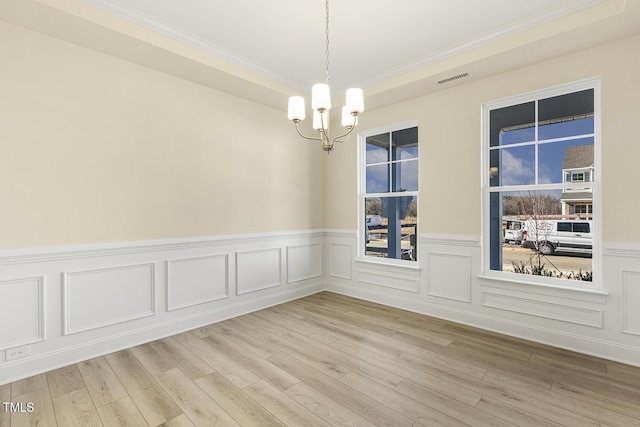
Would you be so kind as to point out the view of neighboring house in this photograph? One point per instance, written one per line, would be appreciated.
(578, 166)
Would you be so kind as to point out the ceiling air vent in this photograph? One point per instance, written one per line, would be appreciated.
(452, 78)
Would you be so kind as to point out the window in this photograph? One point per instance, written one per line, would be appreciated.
(388, 202)
(582, 209)
(581, 227)
(564, 226)
(577, 177)
(540, 168)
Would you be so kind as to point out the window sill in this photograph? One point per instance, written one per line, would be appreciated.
(404, 267)
(511, 283)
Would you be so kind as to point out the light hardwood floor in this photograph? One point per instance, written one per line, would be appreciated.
(330, 360)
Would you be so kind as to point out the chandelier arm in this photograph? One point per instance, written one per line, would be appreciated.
(304, 136)
(336, 139)
(351, 128)
(324, 136)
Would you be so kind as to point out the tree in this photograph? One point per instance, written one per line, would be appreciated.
(373, 207)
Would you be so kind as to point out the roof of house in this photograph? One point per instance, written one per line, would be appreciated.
(578, 156)
(577, 195)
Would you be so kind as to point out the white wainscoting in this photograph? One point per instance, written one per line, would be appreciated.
(21, 311)
(68, 304)
(623, 277)
(388, 277)
(95, 299)
(449, 276)
(258, 270)
(448, 279)
(340, 260)
(193, 281)
(630, 301)
(304, 262)
(48, 297)
(531, 305)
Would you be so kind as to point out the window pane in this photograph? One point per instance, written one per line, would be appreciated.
(377, 148)
(565, 127)
(581, 227)
(512, 166)
(516, 136)
(406, 176)
(513, 124)
(405, 144)
(556, 157)
(377, 178)
(569, 105)
(405, 153)
(542, 243)
(394, 227)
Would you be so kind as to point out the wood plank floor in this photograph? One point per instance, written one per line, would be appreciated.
(330, 360)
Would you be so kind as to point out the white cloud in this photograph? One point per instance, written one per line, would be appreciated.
(515, 170)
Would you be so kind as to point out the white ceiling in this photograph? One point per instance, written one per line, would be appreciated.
(268, 50)
(370, 40)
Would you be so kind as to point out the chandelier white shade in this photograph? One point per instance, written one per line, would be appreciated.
(321, 104)
(320, 97)
(296, 108)
(355, 101)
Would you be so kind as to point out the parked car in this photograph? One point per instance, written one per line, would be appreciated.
(512, 230)
(549, 236)
(374, 221)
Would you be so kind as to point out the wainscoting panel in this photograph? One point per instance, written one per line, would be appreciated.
(97, 298)
(340, 260)
(258, 270)
(449, 276)
(199, 280)
(545, 309)
(21, 311)
(407, 281)
(304, 262)
(630, 284)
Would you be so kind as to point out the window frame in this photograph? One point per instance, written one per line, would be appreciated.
(363, 195)
(595, 184)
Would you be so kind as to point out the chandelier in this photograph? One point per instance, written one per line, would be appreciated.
(321, 104)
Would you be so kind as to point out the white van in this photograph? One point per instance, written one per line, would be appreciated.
(558, 235)
(374, 221)
(512, 230)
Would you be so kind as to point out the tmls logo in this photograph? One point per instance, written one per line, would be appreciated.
(18, 407)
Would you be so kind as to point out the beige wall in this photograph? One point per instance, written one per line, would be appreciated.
(450, 144)
(96, 149)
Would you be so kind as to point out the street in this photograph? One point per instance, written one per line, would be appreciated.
(565, 262)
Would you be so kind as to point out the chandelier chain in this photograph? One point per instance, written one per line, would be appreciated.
(327, 39)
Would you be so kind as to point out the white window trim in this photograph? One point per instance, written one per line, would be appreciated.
(362, 136)
(486, 273)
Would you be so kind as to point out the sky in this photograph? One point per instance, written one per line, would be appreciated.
(518, 151)
(377, 171)
(517, 156)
